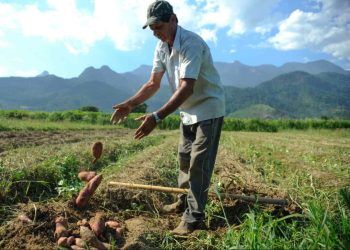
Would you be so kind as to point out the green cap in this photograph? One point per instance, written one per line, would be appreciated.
(158, 11)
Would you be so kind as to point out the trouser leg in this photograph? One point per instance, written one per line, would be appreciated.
(187, 136)
(202, 160)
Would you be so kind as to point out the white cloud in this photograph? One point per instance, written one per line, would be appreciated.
(3, 71)
(26, 73)
(208, 35)
(327, 30)
(232, 51)
(121, 20)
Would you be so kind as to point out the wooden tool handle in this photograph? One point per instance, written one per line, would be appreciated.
(150, 187)
(251, 198)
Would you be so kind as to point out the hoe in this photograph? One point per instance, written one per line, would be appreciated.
(251, 198)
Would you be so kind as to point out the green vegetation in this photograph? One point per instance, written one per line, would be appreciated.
(30, 120)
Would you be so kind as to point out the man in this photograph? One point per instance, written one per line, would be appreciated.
(198, 93)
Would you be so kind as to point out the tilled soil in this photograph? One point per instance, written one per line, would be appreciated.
(137, 211)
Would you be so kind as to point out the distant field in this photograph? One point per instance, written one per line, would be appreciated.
(39, 160)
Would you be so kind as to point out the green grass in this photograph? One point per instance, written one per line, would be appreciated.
(8, 119)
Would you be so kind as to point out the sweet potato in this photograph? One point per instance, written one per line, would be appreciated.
(97, 224)
(75, 247)
(112, 224)
(24, 218)
(90, 238)
(71, 240)
(61, 228)
(86, 193)
(96, 149)
(63, 242)
(86, 175)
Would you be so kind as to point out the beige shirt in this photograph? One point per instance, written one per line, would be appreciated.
(191, 58)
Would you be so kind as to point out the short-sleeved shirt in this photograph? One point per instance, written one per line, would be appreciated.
(190, 57)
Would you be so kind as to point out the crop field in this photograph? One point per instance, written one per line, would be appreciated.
(40, 160)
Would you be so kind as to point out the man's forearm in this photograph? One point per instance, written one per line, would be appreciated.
(146, 92)
(178, 98)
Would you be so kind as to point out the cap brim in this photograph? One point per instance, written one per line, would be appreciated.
(150, 21)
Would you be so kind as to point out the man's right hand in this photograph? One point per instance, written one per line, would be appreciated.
(122, 110)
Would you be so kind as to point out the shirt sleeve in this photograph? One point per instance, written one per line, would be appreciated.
(191, 61)
(158, 65)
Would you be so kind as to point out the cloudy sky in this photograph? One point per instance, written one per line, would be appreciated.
(66, 36)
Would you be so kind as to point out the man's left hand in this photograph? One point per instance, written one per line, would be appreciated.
(147, 126)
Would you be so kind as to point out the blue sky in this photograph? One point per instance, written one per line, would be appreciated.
(66, 36)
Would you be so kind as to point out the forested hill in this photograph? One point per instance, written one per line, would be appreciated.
(297, 94)
(294, 94)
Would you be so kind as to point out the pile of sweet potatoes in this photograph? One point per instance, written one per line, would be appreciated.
(92, 234)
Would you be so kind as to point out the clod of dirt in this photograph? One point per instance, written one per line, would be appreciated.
(86, 193)
(24, 218)
(83, 222)
(90, 238)
(97, 223)
(119, 232)
(61, 228)
(96, 149)
(86, 175)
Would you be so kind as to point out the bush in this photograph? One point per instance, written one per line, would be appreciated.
(89, 109)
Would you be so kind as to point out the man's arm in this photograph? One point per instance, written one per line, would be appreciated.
(179, 97)
(147, 90)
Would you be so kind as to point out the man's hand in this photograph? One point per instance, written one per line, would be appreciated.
(121, 112)
(147, 126)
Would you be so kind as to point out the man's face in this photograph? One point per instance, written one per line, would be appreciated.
(162, 31)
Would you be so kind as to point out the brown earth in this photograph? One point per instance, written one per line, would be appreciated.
(138, 211)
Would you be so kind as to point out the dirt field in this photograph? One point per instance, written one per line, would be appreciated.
(248, 163)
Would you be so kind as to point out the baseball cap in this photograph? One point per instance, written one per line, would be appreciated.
(158, 11)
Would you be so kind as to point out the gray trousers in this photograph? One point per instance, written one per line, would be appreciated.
(196, 154)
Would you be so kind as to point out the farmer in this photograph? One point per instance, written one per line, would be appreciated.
(199, 95)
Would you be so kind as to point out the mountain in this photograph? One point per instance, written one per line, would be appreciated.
(44, 73)
(260, 111)
(295, 94)
(240, 75)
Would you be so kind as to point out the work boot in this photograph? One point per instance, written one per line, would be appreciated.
(185, 228)
(176, 207)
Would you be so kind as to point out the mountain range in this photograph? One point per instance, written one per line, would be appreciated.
(296, 90)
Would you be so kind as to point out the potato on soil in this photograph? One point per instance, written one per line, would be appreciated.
(86, 175)
(97, 223)
(112, 224)
(86, 193)
(90, 238)
(75, 247)
(61, 228)
(63, 242)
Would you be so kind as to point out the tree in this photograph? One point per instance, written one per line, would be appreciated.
(89, 109)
